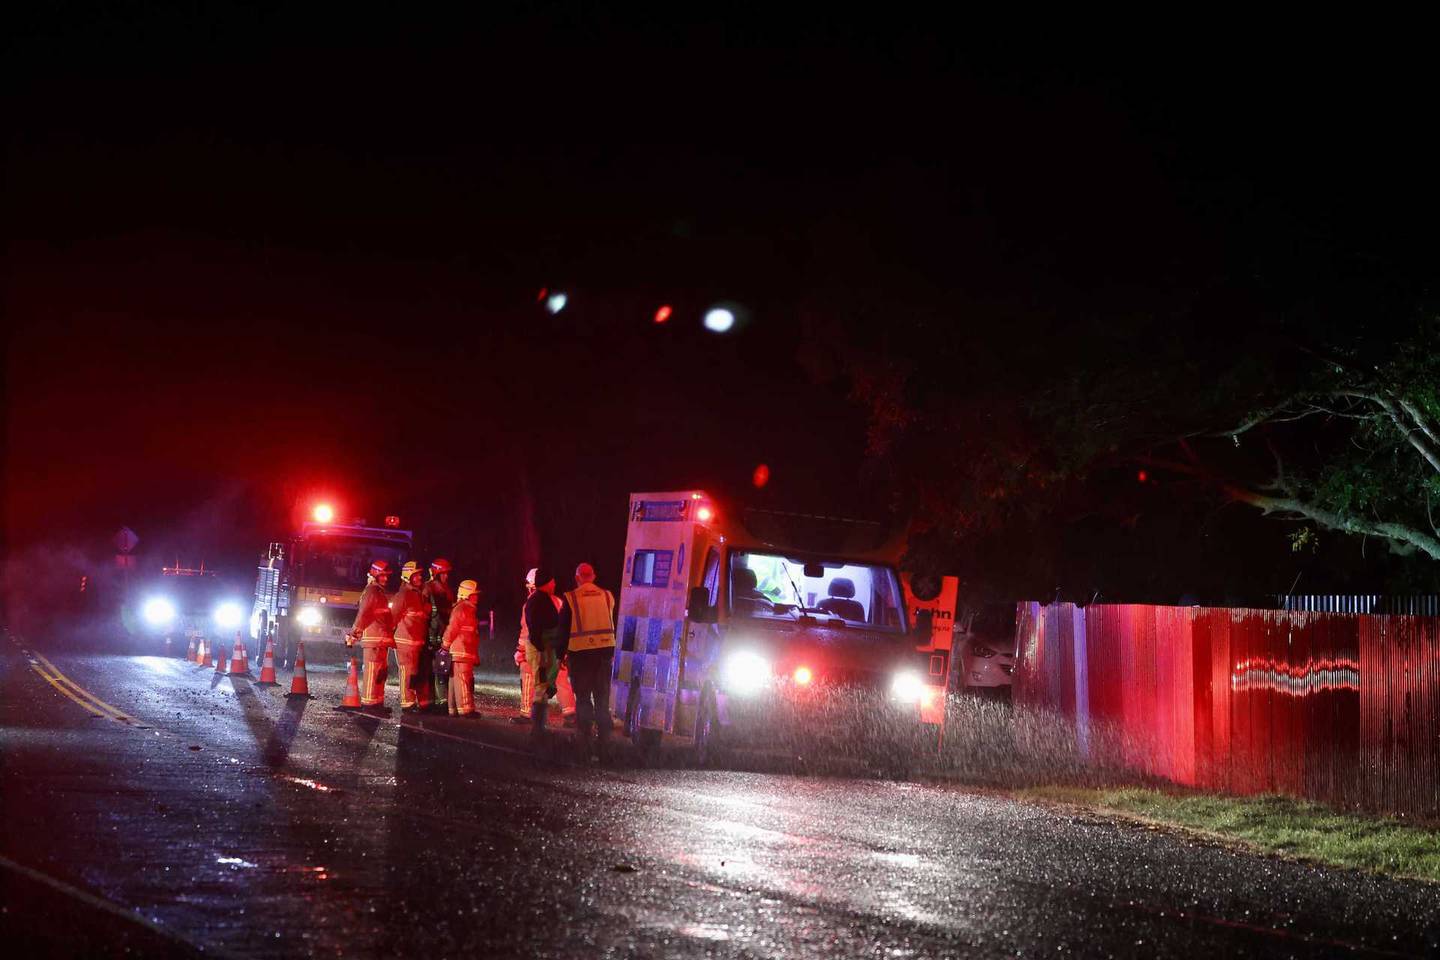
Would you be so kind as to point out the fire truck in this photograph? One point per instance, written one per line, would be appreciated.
(308, 587)
(732, 626)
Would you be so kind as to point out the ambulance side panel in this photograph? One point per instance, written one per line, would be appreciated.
(700, 643)
(651, 619)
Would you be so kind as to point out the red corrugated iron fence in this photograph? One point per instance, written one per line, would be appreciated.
(1343, 708)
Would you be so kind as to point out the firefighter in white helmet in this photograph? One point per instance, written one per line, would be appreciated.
(374, 629)
(462, 639)
(527, 659)
(590, 653)
(411, 609)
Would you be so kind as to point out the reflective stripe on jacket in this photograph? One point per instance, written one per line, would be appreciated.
(374, 621)
(592, 617)
(412, 615)
(462, 637)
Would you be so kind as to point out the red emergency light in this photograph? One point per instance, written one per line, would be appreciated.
(392, 521)
(323, 513)
(803, 676)
(704, 514)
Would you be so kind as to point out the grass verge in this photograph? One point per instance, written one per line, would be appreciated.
(1272, 824)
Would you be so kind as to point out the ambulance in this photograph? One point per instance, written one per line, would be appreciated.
(731, 626)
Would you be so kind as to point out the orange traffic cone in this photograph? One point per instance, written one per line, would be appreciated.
(352, 690)
(220, 661)
(299, 685)
(267, 666)
(190, 654)
(202, 659)
(240, 666)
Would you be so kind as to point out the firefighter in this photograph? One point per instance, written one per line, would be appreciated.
(590, 653)
(441, 599)
(527, 672)
(462, 639)
(412, 633)
(545, 621)
(375, 630)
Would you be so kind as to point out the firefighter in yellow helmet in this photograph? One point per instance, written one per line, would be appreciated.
(462, 639)
(590, 653)
(411, 609)
(374, 629)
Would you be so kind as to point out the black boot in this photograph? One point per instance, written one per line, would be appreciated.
(539, 714)
(582, 741)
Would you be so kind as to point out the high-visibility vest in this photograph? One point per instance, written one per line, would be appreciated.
(592, 617)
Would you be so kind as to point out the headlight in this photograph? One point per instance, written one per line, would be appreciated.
(907, 686)
(308, 617)
(158, 611)
(745, 673)
(229, 615)
(981, 651)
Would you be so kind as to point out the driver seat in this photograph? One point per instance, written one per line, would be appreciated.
(842, 602)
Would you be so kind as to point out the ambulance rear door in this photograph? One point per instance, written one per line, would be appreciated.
(659, 551)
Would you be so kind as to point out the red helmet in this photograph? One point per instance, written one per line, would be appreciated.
(380, 568)
(440, 565)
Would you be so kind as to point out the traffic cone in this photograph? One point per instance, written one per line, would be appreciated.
(190, 653)
(299, 685)
(240, 665)
(352, 690)
(202, 659)
(267, 666)
(220, 661)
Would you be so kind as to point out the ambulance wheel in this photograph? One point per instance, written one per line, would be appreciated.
(707, 730)
(648, 741)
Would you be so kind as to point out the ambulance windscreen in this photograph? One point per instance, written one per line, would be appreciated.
(774, 587)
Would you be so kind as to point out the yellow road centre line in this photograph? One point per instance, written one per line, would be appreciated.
(57, 679)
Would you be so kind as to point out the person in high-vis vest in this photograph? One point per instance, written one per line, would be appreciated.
(563, 690)
(590, 653)
(462, 639)
(412, 630)
(441, 599)
(375, 630)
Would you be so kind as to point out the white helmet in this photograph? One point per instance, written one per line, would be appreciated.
(530, 577)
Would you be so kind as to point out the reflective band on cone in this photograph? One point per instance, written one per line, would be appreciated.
(240, 665)
(299, 685)
(267, 666)
(352, 690)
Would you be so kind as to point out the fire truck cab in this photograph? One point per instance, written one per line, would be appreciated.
(727, 624)
(309, 587)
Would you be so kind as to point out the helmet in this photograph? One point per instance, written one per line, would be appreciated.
(440, 565)
(530, 576)
(409, 570)
(466, 590)
(380, 568)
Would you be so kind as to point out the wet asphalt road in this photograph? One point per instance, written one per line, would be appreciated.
(217, 817)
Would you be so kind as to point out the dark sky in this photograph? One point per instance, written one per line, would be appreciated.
(253, 254)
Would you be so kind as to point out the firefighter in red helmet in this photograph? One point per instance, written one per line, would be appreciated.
(441, 598)
(374, 629)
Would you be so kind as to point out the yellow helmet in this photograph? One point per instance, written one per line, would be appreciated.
(466, 590)
(409, 570)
